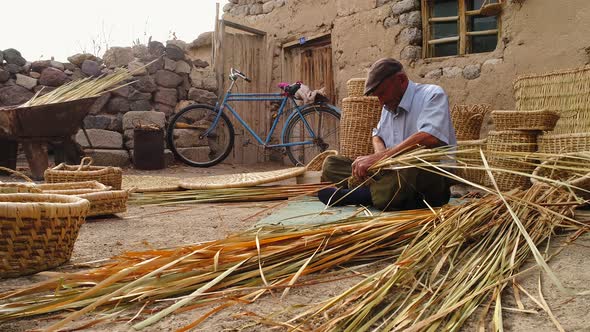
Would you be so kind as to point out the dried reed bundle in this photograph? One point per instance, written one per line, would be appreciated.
(248, 194)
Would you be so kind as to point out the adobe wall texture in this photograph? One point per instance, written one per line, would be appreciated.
(536, 36)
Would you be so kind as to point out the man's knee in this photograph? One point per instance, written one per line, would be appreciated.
(336, 168)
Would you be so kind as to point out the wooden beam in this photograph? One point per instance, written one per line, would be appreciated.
(443, 19)
(443, 40)
(296, 42)
(462, 28)
(425, 10)
(243, 28)
(483, 32)
(472, 12)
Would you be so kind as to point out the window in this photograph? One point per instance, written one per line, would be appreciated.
(457, 27)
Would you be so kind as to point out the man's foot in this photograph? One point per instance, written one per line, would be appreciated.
(337, 196)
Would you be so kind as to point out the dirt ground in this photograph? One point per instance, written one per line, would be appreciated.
(157, 227)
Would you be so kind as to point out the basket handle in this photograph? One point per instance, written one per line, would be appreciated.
(83, 162)
(28, 179)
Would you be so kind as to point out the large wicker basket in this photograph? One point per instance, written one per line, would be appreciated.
(468, 155)
(468, 119)
(566, 92)
(564, 143)
(571, 168)
(525, 120)
(107, 175)
(38, 231)
(359, 116)
(512, 141)
(356, 87)
(102, 200)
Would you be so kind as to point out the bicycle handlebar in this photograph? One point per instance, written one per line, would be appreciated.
(235, 72)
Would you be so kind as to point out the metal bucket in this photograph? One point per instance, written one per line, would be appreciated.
(148, 148)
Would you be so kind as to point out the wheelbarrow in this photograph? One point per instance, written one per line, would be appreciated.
(36, 126)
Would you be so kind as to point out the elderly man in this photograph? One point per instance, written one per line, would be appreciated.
(413, 115)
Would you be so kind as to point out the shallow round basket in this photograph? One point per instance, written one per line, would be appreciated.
(525, 120)
(512, 141)
(468, 119)
(356, 87)
(359, 116)
(38, 231)
(468, 154)
(72, 188)
(571, 169)
(107, 175)
(564, 143)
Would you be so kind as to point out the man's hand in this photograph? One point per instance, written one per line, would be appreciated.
(362, 164)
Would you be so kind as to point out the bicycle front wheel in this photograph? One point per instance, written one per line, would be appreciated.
(196, 140)
(323, 122)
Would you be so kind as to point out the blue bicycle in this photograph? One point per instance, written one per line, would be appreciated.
(202, 135)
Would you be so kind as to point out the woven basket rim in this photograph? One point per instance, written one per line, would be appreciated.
(514, 132)
(72, 185)
(550, 135)
(357, 79)
(472, 142)
(31, 205)
(524, 112)
(361, 99)
(63, 168)
(105, 194)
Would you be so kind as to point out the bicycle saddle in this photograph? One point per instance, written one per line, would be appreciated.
(290, 89)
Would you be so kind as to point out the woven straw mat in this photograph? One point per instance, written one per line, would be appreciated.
(149, 183)
(241, 180)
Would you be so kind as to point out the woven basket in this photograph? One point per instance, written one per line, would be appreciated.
(240, 180)
(317, 162)
(566, 92)
(105, 203)
(102, 200)
(467, 120)
(525, 120)
(564, 143)
(18, 187)
(38, 231)
(356, 87)
(107, 175)
(359, 116)
(512, 141)
(471, 158)
(72, 188)
(567, 168)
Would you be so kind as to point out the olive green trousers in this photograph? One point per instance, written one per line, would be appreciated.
(405, 189)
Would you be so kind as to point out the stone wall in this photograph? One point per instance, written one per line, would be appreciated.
(536, 36)
(172, 79)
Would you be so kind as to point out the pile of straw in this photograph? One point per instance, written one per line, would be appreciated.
(443, 264)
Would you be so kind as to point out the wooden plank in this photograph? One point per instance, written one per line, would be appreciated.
(426, 49)
(462, 28)
(243, 28)
(443, 19)
(443, 40)
(296, 43)
(483, 32)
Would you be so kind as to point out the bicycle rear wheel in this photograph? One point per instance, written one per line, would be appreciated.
(325, 123)
(186, 140)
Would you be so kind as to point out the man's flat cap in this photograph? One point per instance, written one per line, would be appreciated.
(380, 70)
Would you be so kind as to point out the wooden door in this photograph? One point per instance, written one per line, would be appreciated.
(316, 69)
(245, 51)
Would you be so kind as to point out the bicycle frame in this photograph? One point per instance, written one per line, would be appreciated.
(229, 96)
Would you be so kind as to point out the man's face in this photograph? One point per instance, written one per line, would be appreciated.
(391, 90)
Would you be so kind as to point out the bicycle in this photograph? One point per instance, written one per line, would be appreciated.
(202, 135)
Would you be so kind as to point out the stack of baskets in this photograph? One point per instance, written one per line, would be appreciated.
(468, 120)
(360, 115)
(566, 93)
